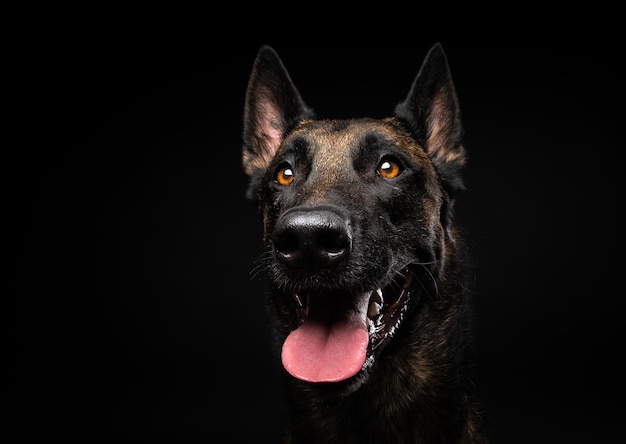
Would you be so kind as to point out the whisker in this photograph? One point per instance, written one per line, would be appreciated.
(261, 264)
(432, 278)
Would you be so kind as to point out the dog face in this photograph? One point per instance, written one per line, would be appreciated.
(356, 217)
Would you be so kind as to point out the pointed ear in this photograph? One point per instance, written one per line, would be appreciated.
(431, 112)
(273, 107)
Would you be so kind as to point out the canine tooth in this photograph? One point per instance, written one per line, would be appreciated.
(377, 296)
(376, 303)
(373, 309)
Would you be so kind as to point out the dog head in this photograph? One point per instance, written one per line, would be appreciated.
(356, 216)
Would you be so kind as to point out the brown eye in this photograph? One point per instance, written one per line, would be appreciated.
(285, 175)
(388, 168)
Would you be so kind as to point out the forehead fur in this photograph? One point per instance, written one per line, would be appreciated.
(337, 138)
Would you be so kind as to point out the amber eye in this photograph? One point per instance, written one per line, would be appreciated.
(285, 175)
(388, 168)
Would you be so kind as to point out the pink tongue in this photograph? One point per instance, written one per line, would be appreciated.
(323, 349)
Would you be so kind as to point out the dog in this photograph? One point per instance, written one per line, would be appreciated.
(369, 295)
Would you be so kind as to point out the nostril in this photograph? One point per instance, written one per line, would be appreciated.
(312, 239)
(286, 241)
(332, 241)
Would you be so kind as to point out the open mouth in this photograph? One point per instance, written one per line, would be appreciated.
(339, 330)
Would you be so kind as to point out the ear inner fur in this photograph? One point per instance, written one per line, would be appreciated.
(432, 113)
(273, 106)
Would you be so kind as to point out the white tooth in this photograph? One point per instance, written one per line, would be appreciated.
(376, 302)
(377, 296)
(372, 310)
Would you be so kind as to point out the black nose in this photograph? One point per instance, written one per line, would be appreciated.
(312, 239)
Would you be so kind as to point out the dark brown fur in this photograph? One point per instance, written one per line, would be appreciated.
(340, 221)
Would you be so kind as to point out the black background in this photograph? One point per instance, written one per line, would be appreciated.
(132, 310)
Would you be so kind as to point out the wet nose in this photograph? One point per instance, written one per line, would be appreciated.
(312, 239)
